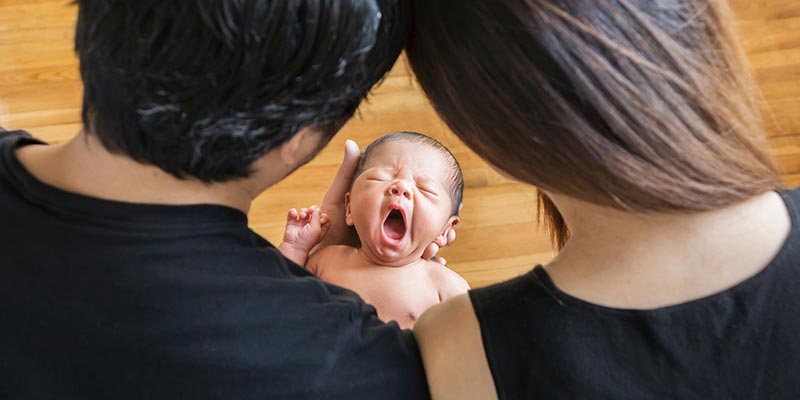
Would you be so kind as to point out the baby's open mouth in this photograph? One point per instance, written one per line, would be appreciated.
(395, 225)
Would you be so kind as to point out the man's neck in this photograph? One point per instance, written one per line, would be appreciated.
(83, 166)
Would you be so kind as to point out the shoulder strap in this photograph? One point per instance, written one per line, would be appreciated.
(792, 199)
(16, 138)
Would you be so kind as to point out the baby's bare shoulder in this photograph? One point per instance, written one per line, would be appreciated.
(328, 256)
(332, 250)
(441, 272)
(448, 282)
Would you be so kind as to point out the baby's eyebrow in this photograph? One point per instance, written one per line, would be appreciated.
(384, 167)
(426, 179)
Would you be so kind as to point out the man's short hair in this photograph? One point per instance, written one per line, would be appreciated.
(204, 88)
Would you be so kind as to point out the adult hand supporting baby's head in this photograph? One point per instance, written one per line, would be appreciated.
(333, 205)
(433, 248)
(333, 202)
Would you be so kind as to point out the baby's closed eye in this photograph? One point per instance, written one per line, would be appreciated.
(427, 185)
(379, 176)
(428, 189)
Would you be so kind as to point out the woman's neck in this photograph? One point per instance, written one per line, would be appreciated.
(633, 260)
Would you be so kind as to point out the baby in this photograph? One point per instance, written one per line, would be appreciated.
(405, 194)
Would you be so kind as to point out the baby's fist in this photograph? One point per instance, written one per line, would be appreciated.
(305, 228)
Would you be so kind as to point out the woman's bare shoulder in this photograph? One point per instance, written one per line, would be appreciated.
(449, 338)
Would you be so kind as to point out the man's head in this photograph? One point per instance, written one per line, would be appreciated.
(204, 88)
(406, 193)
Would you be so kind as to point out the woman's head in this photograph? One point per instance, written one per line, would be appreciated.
(640, 105)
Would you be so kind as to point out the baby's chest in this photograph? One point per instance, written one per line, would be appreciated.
(412, 293)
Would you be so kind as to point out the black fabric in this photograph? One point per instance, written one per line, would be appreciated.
(742, 343)
(111, 300)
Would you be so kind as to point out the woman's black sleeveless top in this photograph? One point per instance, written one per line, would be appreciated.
(742, 343)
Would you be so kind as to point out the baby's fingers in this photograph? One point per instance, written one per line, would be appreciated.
(324, 222)
(324, 219)
(315, 216)
(292, 214)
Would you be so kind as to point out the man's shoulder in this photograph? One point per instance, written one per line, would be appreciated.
(332, 340)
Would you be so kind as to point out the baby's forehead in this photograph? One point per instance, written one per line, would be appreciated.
(420, 157)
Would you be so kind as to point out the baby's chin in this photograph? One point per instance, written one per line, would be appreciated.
(394, 257)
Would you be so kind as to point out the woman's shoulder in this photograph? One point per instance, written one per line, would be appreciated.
(449, 335)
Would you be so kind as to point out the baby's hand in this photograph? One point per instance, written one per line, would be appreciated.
(304, 229)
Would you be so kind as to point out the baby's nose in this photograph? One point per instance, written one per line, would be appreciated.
(400, 188)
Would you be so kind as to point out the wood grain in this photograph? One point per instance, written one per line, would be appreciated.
(40, 91)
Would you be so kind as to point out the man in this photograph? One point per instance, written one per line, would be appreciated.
(129, 270)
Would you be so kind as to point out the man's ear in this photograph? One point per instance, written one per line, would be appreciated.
(348, 217)
(289, 150)
(441, 240)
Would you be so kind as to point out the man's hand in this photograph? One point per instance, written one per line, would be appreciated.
(433, 248)
(333, 202)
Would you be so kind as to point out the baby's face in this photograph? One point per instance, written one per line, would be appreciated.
(401, 202)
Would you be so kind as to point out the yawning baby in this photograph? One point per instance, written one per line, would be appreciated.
(405, 195)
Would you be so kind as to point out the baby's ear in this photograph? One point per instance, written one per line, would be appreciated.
(348, 218)
(441, 240)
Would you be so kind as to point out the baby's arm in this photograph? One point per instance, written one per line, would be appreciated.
(304, 229)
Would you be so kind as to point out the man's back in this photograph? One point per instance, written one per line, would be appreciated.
(121, 300)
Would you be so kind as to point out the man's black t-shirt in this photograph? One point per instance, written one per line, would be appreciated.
(741, 343)
(112, 300)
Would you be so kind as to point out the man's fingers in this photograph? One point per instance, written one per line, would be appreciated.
(451, 236)
(440, 260)
(430, 251)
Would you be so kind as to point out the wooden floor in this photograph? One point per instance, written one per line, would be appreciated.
(40, 91)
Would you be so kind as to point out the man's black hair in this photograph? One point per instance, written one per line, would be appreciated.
(203, 88)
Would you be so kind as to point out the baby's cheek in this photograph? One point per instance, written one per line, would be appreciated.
(362, 225)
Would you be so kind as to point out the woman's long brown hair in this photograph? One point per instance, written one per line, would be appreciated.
(639, 105)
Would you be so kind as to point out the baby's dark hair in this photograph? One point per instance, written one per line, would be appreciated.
(455, 178)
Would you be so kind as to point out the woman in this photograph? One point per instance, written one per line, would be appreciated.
(677, 272)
